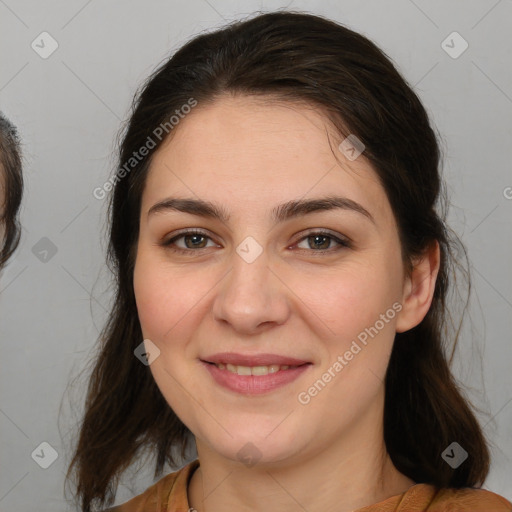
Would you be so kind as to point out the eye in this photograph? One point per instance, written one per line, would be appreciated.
(321, 241)
(193, 239)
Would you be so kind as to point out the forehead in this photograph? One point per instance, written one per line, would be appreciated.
(252, 153)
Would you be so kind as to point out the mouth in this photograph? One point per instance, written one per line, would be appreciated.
(254, 370)
(254, 374)
(253, 360)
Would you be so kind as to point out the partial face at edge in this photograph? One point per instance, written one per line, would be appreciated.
(304, 296)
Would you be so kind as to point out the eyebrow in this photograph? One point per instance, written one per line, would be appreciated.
(280, 213)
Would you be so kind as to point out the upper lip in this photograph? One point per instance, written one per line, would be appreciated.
(253, 360)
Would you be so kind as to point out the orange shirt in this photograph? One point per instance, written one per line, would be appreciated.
(170, 495)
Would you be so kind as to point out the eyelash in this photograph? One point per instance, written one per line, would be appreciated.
(343, 243)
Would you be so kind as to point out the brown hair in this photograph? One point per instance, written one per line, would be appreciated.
(11, 187)
(295, 57)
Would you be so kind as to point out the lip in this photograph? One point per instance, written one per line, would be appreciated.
(254, 384)
(253, 360)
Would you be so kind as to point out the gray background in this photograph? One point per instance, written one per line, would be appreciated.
(68, 109)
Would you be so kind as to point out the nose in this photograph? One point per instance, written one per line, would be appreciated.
(251, 298)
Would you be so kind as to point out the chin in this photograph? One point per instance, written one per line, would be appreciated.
(250, 450)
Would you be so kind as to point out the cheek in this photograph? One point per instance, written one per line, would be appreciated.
(351, 299)
(360, 307)
(172, 304)
(163, 298)
(162, 309)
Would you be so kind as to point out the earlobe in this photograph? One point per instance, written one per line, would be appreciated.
(419, 289)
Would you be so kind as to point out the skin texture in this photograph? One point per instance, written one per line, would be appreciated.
(250, 156)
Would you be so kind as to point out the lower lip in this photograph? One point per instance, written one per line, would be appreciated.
(254, 384)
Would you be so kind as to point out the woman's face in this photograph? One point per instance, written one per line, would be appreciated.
(263, 288)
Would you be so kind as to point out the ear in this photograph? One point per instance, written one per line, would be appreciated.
(419, 289)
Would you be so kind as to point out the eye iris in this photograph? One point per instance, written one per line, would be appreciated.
(195, 238)
(315, 239)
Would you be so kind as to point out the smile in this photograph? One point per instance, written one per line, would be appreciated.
(253, 370)
(253, 380)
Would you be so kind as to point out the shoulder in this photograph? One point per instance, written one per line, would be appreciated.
(467, 499)
(169, 490)
(426, 498)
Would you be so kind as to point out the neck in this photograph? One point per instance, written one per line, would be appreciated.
(350, 473)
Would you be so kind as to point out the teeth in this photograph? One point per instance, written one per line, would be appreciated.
(259, 370)
(243, 370)
(253, 370)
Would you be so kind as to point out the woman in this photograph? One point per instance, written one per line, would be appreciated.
(281, 283)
